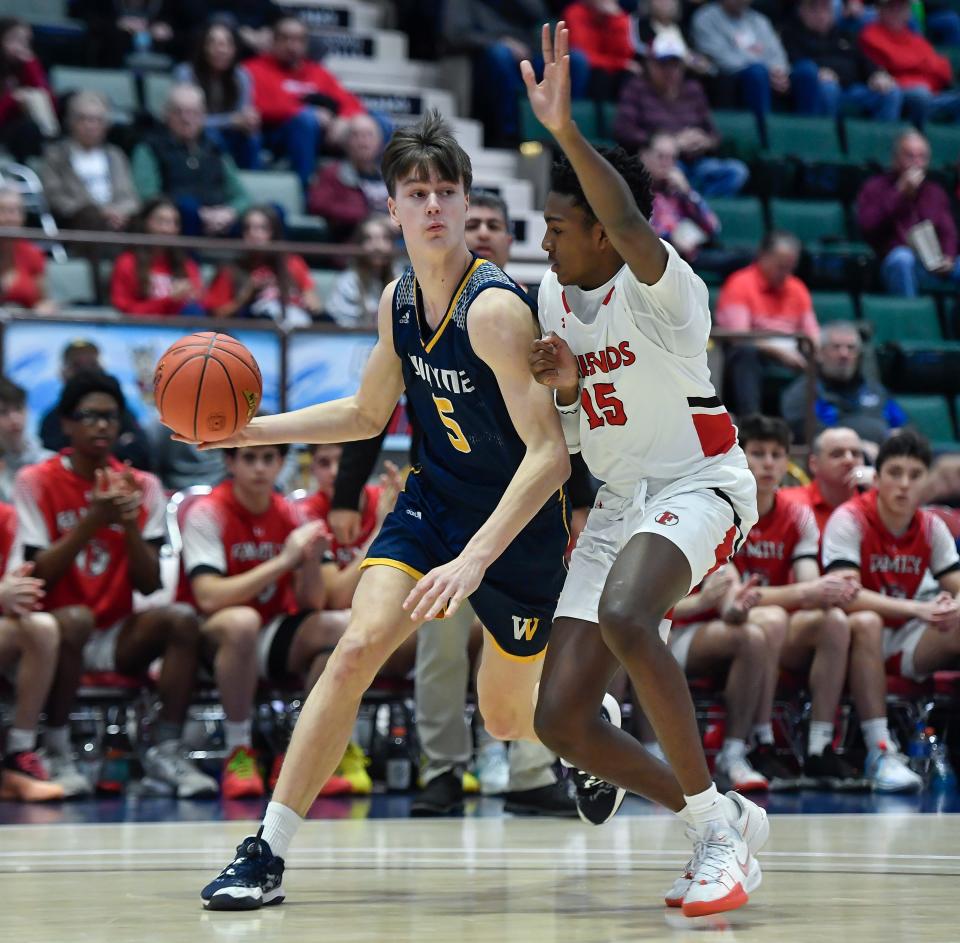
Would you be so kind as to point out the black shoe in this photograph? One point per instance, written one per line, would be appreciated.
(833, 772)
(763, 758)
(443, 795)
(597, 800)
(250, 881)
(546, 800)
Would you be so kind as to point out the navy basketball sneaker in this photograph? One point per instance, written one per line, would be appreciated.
(598, 800)
(250, 881)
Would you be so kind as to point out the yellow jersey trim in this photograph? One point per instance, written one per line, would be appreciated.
(403, 567)
(511, 657)
(396, 564)
(441, 327)
(563, 512)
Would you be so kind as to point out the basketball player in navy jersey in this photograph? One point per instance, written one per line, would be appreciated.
(483, 513)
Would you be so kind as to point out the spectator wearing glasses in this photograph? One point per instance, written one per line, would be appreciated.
(83, 356)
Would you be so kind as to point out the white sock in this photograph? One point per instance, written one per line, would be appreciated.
(237, 733)
(820, 737)
(706, 809)
(875, 732)
(763, 733)
(731, 812)
(57, 739)
(280, 824)
(733, 749)
(21, 741)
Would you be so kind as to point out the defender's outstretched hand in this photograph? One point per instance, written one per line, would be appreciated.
(550, 99)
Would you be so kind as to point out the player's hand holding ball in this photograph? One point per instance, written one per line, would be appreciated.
(208, 388)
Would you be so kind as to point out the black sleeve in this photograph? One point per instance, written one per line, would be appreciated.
(133, 445)
(580, 483)
(356, 466)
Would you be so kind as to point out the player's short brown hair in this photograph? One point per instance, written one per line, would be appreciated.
(905, 443)
(11, 395)
(429, 145)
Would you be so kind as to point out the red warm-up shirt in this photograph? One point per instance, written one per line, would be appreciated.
(50, 499)
(316, 507)
(23, 286)
(125, 289)
(604, 39)
(907, 56)
(223, 287)
(221, 536)
(279, 92)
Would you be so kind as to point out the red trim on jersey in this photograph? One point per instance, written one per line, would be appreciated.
(316, 507)
(8, 531)
(563, 298)
(569, 310)
(715, 432)
(723, 551)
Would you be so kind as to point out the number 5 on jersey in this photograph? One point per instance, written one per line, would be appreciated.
(613, 413)
(457, 439)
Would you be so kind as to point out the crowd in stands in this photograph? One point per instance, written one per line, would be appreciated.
(265, 581)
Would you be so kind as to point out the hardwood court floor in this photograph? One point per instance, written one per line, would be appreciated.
(847, 878)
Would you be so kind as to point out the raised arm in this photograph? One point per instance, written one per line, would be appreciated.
(361, 416)
(501, 332)
(606, 191)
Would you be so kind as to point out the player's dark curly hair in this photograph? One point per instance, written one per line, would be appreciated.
(563, 179)
(82, 385)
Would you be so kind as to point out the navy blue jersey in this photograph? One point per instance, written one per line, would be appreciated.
(469, 449)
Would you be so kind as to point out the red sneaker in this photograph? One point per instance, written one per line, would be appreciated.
(241, 777)
(24, 778)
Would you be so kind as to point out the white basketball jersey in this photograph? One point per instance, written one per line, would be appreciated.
(648, 408)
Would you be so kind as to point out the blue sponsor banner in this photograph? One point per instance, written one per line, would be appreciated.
(324, 366)
(32, 351)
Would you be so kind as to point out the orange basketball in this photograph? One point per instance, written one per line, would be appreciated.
(207, 386)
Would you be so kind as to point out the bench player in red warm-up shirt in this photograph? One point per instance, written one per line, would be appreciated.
(93, 529)
(890, 542)
(28, 643)
(254, 572)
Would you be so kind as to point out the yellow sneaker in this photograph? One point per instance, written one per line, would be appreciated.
(353, 768)
(471, 784)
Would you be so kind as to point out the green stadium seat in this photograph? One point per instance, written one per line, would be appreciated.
(116, 85)
(929, 415)
(871, 142)
(739, 134)
(584, 113)
(813, 140)
(741, 218)
(944, 144)
(833, 306)
(69, 282)
(908, 319)
(811, 221)
(282, 187)
(156, 87)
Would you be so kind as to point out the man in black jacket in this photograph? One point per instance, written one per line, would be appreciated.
(828, 70)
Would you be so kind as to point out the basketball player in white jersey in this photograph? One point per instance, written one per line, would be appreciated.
(626, 325)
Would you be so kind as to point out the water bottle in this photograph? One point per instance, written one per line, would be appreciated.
(942, 775)
(919, 751)
(399, 764)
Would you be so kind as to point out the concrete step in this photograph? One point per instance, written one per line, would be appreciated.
(333, 14)
(387, 74)
(517, 194)
(402, 103)
(383, 45)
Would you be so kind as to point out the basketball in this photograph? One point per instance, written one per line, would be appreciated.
(207, 386)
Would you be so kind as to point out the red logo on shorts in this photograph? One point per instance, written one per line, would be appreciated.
(667, 519)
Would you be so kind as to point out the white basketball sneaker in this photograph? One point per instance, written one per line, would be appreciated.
(749, 820)
(725, 873)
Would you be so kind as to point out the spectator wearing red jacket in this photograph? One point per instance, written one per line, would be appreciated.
(21, 76)
(303, 106)
(161, 280)
(22, 264)
(923, 74)
(346, 192)
(601, 31)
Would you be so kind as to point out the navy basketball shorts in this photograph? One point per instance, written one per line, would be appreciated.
(518, 595)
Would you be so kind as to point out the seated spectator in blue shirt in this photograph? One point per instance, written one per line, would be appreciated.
(844, 396)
